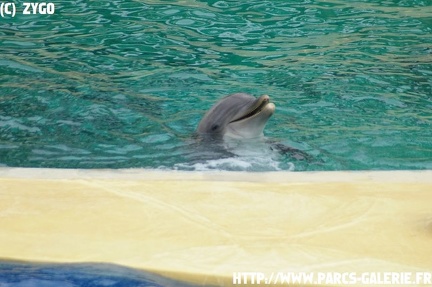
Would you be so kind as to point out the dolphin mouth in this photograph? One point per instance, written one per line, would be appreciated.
(255, 109)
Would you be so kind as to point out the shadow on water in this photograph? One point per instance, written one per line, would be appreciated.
(25, 274)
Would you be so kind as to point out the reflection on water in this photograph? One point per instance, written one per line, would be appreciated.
(110, 84)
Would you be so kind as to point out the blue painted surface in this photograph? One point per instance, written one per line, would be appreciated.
(20, 274)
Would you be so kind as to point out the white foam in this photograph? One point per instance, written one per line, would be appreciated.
(236, 163)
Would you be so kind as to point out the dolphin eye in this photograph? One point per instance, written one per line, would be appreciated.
(214, 127)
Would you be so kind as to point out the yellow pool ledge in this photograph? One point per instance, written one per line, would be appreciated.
(201, 227)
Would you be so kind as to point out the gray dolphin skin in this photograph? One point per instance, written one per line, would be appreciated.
(237, 116)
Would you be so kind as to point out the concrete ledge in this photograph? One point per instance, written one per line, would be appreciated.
(202, 227)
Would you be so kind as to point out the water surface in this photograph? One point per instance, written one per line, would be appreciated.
(118, 84)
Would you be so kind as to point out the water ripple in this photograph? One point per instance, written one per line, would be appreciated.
(124, 83)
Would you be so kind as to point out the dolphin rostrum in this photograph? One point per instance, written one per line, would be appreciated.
(237, 116)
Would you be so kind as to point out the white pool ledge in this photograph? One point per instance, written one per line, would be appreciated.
(200, 227)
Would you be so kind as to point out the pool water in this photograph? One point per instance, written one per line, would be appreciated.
(120, 84)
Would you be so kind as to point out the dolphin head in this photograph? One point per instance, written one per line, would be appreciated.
(237, 116)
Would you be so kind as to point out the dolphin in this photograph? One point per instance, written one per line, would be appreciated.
(238, 116)
(242, 116)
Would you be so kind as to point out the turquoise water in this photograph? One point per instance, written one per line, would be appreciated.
(117, 84)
